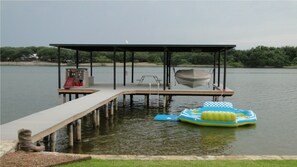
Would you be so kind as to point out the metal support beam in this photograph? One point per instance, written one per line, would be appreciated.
(114, 69)
(59, 67)
(168, 69)
(164, 69)
(219, 68)
(225, 69)
(167, 62)
(214, 69)
(124, 68)
(132, 72)
(77, 60)
(91, 63)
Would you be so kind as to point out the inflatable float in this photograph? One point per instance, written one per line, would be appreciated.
(218, 114)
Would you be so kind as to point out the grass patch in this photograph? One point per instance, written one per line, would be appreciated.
(173, 163)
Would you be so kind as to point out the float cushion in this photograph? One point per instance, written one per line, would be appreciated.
(218, 116)
(218, 104)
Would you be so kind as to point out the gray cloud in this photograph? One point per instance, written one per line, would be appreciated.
(246, 24)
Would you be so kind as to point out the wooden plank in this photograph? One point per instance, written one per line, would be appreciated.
(76, 91)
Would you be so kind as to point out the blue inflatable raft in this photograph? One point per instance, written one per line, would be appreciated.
(218, 114)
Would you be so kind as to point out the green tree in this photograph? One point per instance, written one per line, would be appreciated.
(8, 54)
(47, 54)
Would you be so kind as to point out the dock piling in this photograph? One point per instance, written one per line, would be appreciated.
(146, 100)
(116, 104)
(45, 142)
(124, 100)
(98, 117)
(164, 101)
(106, 110)
(94, 118)
(53, 141)
(70, 134)
(78, 130)
(112, 107)
(131, 100)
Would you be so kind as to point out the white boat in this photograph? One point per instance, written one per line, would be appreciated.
(192, 77)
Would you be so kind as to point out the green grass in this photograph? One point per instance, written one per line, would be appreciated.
(173, 163)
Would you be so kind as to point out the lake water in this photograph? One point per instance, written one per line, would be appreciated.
(270, 93)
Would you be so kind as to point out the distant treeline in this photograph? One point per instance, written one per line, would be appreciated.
(260, 56)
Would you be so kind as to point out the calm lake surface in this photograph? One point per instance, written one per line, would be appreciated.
(270, 93)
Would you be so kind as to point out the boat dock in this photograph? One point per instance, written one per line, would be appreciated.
(100, 98)
(104, 97)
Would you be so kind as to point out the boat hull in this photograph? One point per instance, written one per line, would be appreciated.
(192, 77)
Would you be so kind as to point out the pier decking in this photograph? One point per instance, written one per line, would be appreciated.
(144, 89)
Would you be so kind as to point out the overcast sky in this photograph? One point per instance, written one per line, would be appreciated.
(246, 24)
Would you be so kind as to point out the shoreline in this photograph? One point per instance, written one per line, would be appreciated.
(141, 64)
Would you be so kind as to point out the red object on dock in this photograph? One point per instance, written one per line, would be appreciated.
(69, 83)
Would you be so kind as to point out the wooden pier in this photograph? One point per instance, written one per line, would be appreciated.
(46, 123)
(103, 97)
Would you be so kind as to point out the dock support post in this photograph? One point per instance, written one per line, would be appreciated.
(45, 142)
(114, 70)
(78, 130)
(219, 69)
(112, 108)
(124, 100)
(164, 101)
(225, 68)
(64, 98)
(59, 67)
(132, 68)
(70, 134)
(53, 141)
(164, 69)
(215, 98)
(98, 117)
(131, 100)
(116, 104)
(106, 110)
(124, 82)
(214, 70)
(94, 118)
(146, 100)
